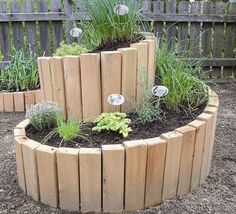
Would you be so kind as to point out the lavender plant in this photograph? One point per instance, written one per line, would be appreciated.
(43, 115)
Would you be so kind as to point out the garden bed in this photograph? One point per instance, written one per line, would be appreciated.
(138, 173)
(19, 101)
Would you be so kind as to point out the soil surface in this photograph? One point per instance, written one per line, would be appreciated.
(216, 195)
(94, 139)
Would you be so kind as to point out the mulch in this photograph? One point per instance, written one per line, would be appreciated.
(216, 195)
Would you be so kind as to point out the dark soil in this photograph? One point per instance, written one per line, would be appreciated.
(217, 195)
(172, 121)
(114, 45)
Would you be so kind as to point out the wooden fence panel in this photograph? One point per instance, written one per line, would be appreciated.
(68, 24)
(17, 27)
(158, 7)
(30, 28)
(5, 35)
(44, 30)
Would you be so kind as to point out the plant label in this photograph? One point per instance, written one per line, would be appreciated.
(121, 10)
(160, 91)
(76, 32)
(116, 99)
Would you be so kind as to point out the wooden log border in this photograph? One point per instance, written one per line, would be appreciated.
(81, 84)
(19, 101)
(137, 174)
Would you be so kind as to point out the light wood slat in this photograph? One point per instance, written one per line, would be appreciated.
(19, 101)
(111, 78)
(1, 102)
(90, 179)
(113, 159)
(91, 86)
(155, 170)
(8, 102)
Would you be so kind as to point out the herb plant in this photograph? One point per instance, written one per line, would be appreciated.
(43, 115)
(73, 49)
(116, 122)
(21, 74)
(187, 89)
(106, 26)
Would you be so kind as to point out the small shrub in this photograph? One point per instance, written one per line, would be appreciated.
(73, 49)
(43, 115)
(148, 110)
(68, 130)
(21, 74)
(116, 122)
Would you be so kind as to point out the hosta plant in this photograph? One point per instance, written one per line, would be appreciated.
(116, 122)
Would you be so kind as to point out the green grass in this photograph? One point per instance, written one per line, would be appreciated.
(187, 89)
(21, 75)
(106, 26)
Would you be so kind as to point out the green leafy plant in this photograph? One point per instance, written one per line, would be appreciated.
(43, 115)
(73, 49)
(68, 130)
(21, 74)
(187, 89)
(106, 27)
(116, 122)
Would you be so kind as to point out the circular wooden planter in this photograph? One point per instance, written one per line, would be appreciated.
(19, 101)
(132, 176)
(81, 84)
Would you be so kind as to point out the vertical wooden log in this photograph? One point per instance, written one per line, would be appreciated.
(47, 175)
(183, 29)
(91, 86)
(208, 118)
(1, 102)
(218, 47)
(111, 78)
(158, 7)
(90, 180)
(30, 167)
(113, 157)
(73, 87)
(5, 35)
(152, 45)
(142, 73)
(173, 155)
(57, 25)
(186, 160)
(19, 101)
(46, 78)
(135, 172)
(170, 26)
(57, 72)
(195, 8)
(17, 26)
(19, 162)
(129, 77)
(68, 164)
(200, 127)
(44, 30)
(8, 102)
(29, 99)
(30, 28)
(39, 96)
(155, 171)
(213, 111)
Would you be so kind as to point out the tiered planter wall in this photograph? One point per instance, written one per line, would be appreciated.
(81, 85)
(19, 101)
(135, 175)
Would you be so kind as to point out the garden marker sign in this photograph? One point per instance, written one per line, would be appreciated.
(76, 32)
(160, 91)
(116, 99)
(121, 10)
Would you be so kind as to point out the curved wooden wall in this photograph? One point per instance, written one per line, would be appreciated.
(137, 174)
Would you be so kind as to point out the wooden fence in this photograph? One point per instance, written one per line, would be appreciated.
(209, 29)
